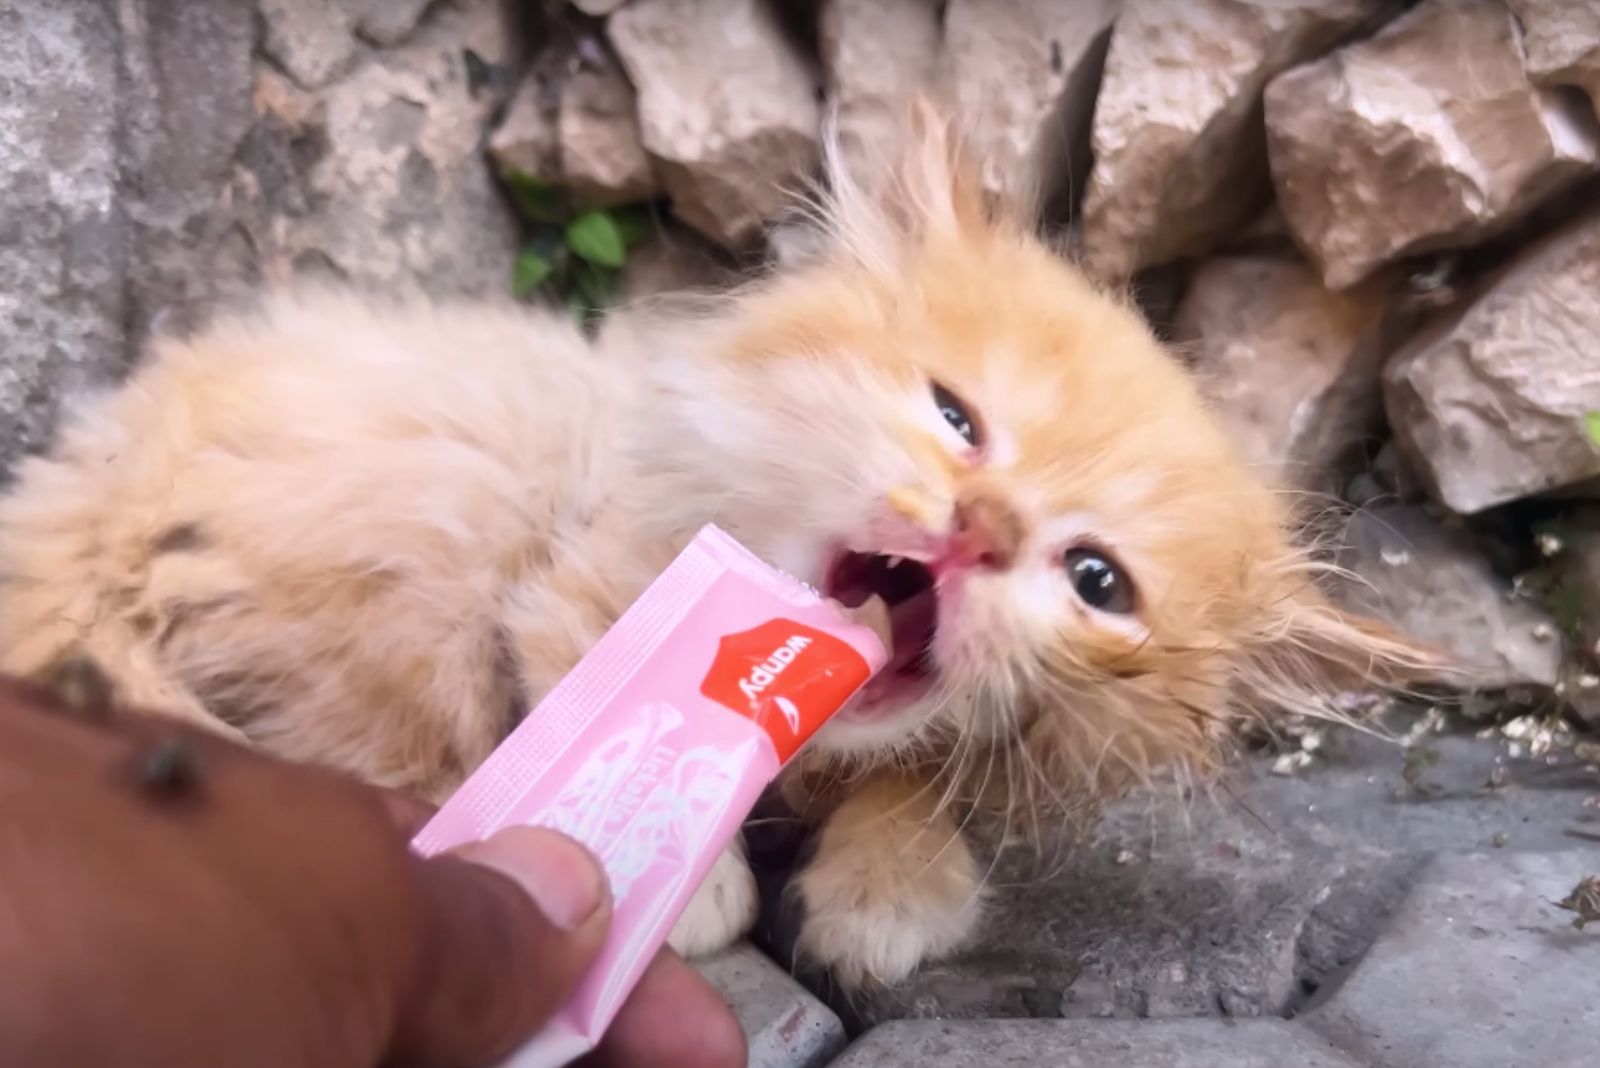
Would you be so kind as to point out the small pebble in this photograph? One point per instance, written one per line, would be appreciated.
(1291, 763)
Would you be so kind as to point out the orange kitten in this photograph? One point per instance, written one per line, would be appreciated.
(371, 534)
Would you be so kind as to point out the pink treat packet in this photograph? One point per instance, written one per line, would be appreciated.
(653, 750)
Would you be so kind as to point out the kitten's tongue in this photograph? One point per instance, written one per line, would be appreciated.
(905, 630)
(874, 615)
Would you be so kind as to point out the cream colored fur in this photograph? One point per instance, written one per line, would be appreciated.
(370, 534)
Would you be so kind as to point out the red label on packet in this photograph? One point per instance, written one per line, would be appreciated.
(787, 677)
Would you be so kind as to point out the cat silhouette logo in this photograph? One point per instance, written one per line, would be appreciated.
(785, 676)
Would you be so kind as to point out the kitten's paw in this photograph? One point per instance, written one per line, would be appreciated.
(722, 911)
(874, 916)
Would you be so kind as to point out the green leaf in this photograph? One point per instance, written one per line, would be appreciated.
(595, 237)
(536, 200)
(530, 273)
(634, 222)
(1592, 422)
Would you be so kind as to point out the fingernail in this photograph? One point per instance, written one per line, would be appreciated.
(560, 875)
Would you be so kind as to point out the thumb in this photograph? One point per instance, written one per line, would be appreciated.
(513, 924)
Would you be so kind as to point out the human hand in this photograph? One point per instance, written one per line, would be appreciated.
(169, 898)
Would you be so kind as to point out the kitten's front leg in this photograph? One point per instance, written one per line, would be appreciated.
(723, 910)
(892, 884)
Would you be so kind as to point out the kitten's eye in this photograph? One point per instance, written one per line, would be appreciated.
(1100, 583)
(955, 413)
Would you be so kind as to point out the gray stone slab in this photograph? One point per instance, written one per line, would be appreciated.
(152, 164)
(1093, 1044)
(1240, 903)
(1476, 968)
(785, 1025)
(63, 235)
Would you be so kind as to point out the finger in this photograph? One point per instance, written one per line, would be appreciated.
(407, 813)
(673, 1019)
(28, 695)
(514, 923)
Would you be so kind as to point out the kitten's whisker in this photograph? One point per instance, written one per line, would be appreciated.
(994, 859)
(963, 747)
(972, 810)
(931, 781)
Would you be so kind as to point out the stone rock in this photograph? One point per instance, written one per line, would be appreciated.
(312, 41)
(795, 243)
(726, 105)
(388, 22)
(65, 239)
(119, 134)
(1158, 293)
(153, 166)
(1393, 146)
(1489, 403)
(380, 177)
(877, 54)
(674, 262)
(1267, 232)
(1432, 583)
(784, 1025)
(1178, 155)
(1477, 968)
(1291, 366)
(1023, 75)
(186, 118)
(602, 160)
(527, 140)
(1125, 1044)
(1562, 41)
(1390, 477)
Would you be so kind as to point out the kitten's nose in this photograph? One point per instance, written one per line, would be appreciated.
(988, 529)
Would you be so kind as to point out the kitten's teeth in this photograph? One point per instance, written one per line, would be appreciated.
(895, 561)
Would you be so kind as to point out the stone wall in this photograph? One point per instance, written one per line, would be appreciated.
(1365, 223)
(1372, 227)
(156, 155)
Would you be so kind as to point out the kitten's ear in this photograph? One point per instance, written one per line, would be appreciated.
(942, 185)
(1311, 650)
(920, 184)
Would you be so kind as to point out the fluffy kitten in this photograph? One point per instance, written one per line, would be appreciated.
(371, 535)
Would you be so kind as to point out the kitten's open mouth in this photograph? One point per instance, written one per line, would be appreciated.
(909, 594)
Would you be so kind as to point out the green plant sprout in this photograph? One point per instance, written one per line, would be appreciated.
(573, 255)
